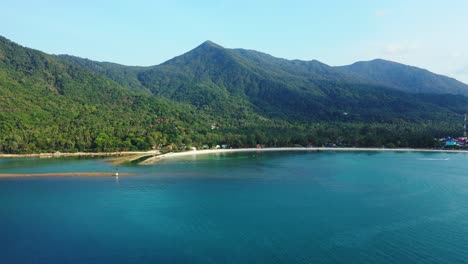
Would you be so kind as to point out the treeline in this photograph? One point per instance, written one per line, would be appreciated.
(145, 134)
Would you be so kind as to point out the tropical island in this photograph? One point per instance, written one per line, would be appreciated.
(214, 96)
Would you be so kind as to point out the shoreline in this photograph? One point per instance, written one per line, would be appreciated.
(125, 156)
(154, 159)
(158, 158)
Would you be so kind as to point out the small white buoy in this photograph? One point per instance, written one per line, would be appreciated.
(117, 175)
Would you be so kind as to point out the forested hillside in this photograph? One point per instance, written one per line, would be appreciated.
(218, 78)
(208, 96)
(405, 78)
(48, 105)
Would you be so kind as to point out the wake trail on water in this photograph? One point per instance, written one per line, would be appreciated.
(433, 159)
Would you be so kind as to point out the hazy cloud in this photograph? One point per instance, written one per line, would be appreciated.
(456, 55)
(380, 13)
(399, 48)
(459, 73)
(462, 70)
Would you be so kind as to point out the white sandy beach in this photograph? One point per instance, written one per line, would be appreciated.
(158, 158)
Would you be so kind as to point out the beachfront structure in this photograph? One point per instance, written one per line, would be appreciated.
(454, 142)
(457, 142)
(451, 143)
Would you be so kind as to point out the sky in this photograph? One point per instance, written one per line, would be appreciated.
(430, 34)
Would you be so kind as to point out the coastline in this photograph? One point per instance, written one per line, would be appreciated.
(154, 158)
(158, 158)
(125, 156)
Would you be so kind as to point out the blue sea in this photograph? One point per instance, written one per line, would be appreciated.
(278, 207)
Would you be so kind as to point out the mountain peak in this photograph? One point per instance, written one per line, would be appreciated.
(210, 44)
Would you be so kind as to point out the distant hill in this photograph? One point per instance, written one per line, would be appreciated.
(405, 78)
(207, 96)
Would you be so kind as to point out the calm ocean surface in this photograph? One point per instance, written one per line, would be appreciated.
(240, 208)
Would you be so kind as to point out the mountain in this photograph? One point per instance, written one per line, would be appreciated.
(207, 96)
(405, 78)
(232, 80)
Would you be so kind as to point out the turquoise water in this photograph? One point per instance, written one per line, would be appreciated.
(240, 208)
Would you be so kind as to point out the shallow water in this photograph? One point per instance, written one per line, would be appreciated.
(240, 208)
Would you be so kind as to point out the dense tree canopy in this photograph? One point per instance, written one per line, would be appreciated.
(208, 96)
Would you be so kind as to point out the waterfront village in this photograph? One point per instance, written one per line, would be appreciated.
(450, 142)
(460, 142)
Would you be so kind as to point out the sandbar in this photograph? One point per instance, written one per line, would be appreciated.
(80, 154)
(63, 174)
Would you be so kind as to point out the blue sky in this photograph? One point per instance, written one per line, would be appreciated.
(429, 34)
